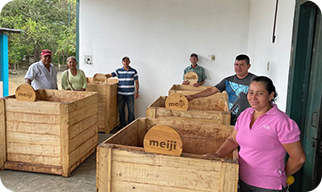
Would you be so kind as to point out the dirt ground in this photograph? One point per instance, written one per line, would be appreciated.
(16, 78)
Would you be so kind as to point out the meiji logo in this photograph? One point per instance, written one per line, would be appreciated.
(266, 127)
(28, 95)
(168, 145)
(177, 104)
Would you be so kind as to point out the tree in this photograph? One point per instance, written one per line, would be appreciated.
(47, 24)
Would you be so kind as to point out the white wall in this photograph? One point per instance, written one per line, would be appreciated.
(3, 3)
(159, 36)
(260, 46)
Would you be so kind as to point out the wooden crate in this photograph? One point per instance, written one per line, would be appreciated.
(108, 117)
(211, 109)
(122, 164)
(188, 90)
(52, 135)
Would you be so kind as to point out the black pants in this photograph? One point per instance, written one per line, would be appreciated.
(244, 187)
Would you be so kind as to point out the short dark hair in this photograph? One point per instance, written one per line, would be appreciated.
(269, 86)
(243, 57)
(194, 55)
(125, 58)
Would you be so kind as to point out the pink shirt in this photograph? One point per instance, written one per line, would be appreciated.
(261, 155)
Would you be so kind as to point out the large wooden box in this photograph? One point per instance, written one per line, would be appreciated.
(122, 164)
(189, 90)
(108, 117)
(211, 109)
(52, 135)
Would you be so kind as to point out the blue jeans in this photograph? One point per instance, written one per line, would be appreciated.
(244, 187)
(129, 100)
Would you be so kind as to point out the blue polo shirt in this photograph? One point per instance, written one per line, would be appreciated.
(126, 80)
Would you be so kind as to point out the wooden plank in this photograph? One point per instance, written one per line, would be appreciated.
(83, 102)
(143, 187)
(81, 159)
(216, 116)
(64, 139)
(32, 118)
(33, 149)
(82, 125)
(82, 137)
(39, 128)
(129, 132)
(3, 140)
(39, 107)
(75, 155)
(102, 164)
(229, 177)
(194, 128)
(202, 146)
(109, 170)
(188, 90)
(79, 115)
(33, 167)
(29, 138)
(35, 159)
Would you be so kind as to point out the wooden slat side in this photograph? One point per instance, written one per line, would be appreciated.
(142, 187)
(28, 138)
(83, 113)
(216, 116)
(3, 140)
(82, 125)
(151, 112)
(35, 159)
(166, 171)
(33, 168)
(109, 170)
(230, 177)
(81, 159)
(202, 146)
(25, 127)
(83, 102)
(38, 107)
(129, 132)
(32, 118)
(61, 96)
(99, 88)
(33, 149)
(178, 87)
(215, 103)
(111, 115)
(113, 121)
(82, 137)
(87, 146)
(101, 168)
(64, 139)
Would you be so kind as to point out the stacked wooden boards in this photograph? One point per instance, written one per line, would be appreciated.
(108, 111)
(52, 135)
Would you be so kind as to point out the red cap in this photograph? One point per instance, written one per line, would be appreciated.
(45, 52)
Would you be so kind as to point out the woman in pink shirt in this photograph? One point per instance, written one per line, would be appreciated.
(265, 134)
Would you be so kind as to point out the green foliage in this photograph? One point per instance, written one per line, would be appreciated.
(46, 24)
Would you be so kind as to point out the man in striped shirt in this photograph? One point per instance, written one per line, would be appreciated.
(128, 90)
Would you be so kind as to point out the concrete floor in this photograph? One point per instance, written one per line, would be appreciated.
(83, 178)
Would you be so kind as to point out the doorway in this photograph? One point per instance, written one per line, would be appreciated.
(305, 90)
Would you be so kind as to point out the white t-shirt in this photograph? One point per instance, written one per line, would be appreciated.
(40, 77)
